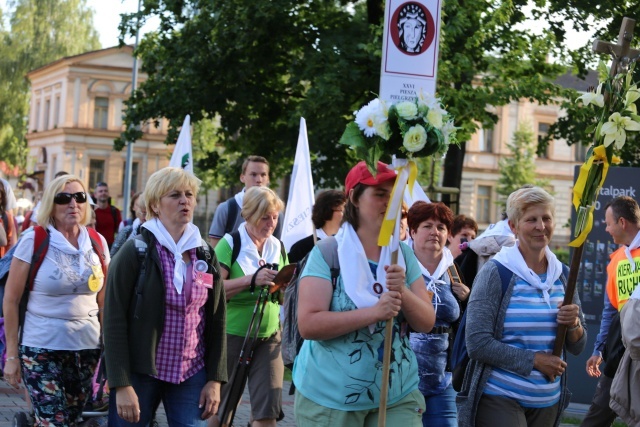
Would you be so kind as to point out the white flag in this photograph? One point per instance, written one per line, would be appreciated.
(418, 194)
(182, 156)
(297, 218)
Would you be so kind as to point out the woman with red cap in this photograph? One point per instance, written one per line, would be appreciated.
(339, 368)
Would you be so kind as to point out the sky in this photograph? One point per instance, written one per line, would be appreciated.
(107, 18)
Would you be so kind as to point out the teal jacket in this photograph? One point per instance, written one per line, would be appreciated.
(130, 343)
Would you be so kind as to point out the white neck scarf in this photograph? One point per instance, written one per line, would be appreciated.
(248, 257)
(190, 239)
(135, 228)
(512, 258)
(358, 279)
(635, 244)
(239, 198)
(320, 234)
(433, 280)
(58, 241)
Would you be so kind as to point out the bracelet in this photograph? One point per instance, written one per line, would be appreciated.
(574, 328)
(12, 358)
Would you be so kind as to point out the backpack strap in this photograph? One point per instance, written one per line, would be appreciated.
(40, 248)
(96, 243)
(454, 275)
(141, 251)
(114, 213)
(232, 214)
(235, 251)
(505, 275)
(329, 249)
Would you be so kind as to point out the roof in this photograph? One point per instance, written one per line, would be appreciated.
(572, 81)
(74, 58)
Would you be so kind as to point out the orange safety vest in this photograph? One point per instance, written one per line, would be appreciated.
(621, 281)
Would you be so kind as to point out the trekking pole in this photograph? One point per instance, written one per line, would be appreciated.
(239, 371)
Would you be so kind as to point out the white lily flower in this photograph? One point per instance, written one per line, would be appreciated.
(631, 96)
(615, 129)
(593, 97)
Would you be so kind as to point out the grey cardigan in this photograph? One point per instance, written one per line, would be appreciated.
(485, 324)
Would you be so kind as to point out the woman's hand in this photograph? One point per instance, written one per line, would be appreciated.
(460, 290)
(12, 374)
(388, 306)
(550, 365)
(210, 399)
(568, 315)
(265, 277)
(593, 366)
(127, 403)
(395, 279)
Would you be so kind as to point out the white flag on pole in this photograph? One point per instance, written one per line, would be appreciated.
(297, 218)
(418, 194)
(182, 156)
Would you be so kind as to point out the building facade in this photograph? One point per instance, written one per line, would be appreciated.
(75, 115)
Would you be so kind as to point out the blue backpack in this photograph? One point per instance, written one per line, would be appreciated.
(459, 356)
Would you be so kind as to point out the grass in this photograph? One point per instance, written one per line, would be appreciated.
(577, 421)
(287, 374)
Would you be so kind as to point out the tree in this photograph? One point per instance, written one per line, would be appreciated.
(41, 31)
(259, 66)
(520, 168)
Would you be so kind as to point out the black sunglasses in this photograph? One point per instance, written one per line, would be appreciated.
(65, 198)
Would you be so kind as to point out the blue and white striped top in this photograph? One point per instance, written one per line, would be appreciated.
(529, 324)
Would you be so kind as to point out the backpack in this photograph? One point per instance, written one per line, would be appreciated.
(40, 248)
(232, 214)
(237, 244)
(459, 359)
(291, 339)
(114, 213)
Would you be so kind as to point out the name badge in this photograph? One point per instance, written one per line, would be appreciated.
(204, 279)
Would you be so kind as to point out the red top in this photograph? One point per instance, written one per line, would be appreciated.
(107, 221)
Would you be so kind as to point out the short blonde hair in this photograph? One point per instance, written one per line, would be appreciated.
(45, 211)
(165, 180)
(524, 198)
(257, 202)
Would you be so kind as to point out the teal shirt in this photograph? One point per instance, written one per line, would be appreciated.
(345, 372)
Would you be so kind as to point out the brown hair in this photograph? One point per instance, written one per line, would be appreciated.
(462, 221)
(254, 159)
(325, 204)
(624, 207)
(422, 211)
(350, 210)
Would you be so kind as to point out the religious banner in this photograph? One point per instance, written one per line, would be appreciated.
(409, 49)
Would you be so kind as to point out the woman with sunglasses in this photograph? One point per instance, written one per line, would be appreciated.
(59, 343)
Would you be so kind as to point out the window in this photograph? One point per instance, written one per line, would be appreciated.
(47, 109)
(134, 176)
(96, 172)
(36, 123)
(543, 131)
(485, 143)
(580, 152)
(101, 112)
(483, 215)
(56, 112)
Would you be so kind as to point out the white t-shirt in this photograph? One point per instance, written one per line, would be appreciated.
(62, 312)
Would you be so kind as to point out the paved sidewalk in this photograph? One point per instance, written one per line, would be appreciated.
(12, 401)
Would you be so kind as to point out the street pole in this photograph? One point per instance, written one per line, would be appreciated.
(134, 86)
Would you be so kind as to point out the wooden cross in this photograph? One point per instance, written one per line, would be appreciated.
(622, 53)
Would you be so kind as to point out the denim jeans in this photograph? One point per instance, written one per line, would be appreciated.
(441, 409)
(180, 401)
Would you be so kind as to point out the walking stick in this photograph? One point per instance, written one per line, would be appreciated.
(238, 379)
(386, 361)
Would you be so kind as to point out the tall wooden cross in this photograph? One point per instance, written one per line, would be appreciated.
(623, 56)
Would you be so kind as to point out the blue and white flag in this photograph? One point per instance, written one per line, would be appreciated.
(182, 156)
(297, 218)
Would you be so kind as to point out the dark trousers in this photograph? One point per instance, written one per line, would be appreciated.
(501, 411)
(599, 413)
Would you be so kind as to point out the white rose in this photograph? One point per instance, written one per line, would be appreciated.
(407, 110)
(415, 139)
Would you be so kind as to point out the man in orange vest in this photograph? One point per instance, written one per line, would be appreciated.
(622, 218)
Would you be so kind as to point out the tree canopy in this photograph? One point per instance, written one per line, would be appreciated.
(259, 66)
(39, 32)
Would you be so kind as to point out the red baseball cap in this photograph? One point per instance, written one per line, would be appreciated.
(360, 174)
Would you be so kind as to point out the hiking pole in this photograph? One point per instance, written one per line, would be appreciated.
(239, 371)
(386, 361)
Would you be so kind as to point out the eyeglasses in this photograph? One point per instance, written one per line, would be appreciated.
(65, 198)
